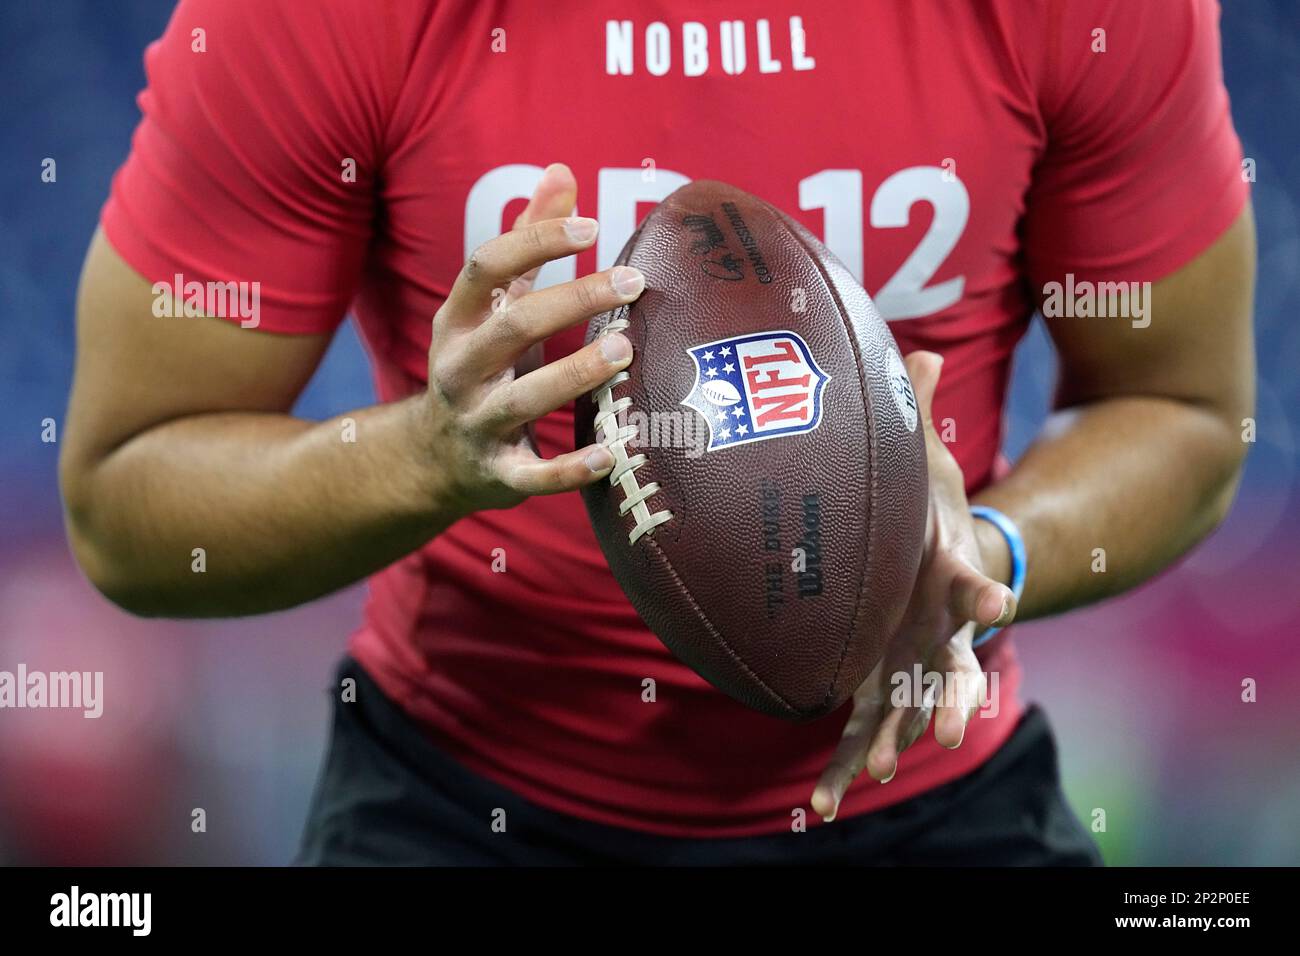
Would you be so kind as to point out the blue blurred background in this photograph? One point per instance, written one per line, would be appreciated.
(231, 717)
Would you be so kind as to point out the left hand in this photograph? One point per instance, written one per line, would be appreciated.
(951, 597)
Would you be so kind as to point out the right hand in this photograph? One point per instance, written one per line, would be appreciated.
(478, 403)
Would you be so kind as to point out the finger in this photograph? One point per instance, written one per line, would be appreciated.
(974, 597)
(554, 197)
(946, 483)
(531, 396)
(899, 730)
(857, 751)
(531, 475)
(850, 756)
(912, 732)
(498, 342)
(923, 369)
(498, 262)
(963, 691)
(846, 763)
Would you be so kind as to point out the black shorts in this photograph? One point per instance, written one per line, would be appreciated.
(388, 796)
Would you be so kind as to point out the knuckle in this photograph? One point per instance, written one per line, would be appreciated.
(554, 479)
(509, 324)
(537, 482)
(596, 366)
(584, 296)
(473, 267)
(508, 407)
(509, 476)
(576, 373)
(482, 263)
(445, 371)
(534, 236)
(529, 481)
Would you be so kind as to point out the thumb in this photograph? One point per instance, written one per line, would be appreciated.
(923, 369)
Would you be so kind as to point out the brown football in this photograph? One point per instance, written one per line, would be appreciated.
(766, 513)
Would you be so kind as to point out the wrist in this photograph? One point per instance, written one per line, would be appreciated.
(432, 493)
(1014, 544)
(994, 551)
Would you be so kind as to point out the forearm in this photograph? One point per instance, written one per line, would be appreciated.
(283, 509)
(1110, 494)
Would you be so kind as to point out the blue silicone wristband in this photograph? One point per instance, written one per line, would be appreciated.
(1016, 544)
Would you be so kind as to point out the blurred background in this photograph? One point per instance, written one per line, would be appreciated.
(231, 717)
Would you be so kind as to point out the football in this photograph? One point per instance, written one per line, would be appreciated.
(767, 507)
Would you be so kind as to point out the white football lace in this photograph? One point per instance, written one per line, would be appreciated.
(615, 439)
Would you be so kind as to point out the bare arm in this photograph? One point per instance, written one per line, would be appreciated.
(179, 434)
(179, 437)
(1144, 452)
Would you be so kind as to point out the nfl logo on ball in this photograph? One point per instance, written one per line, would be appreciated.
(755, 387)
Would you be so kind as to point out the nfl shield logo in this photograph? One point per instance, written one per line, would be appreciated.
(755, 387)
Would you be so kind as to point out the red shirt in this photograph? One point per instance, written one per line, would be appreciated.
(953, 154)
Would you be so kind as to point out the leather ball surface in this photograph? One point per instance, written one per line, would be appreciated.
(766, 512)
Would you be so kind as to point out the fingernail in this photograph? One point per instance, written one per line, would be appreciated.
(599, 459)
(580, 228)
(959, 739)
(1006, 610)
(834, 800)
(615, 347)
(892, 774)
(627, 281)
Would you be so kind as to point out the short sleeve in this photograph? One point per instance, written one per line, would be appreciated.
(1142, 168)
(255, 157)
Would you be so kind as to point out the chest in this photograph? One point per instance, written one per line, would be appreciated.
(900, 133)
